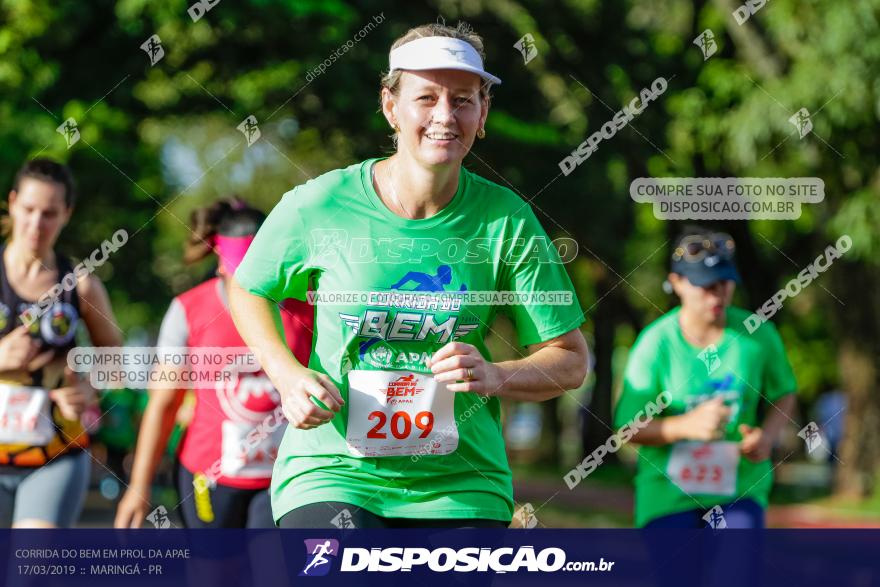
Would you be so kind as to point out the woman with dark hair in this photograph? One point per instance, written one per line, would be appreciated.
(44, 466)
(727, 393)
(396, 421)
(226, 455)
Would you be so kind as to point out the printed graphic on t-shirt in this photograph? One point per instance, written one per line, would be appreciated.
(728, 388)
(246, 400)
(409, 321)
(247, 397)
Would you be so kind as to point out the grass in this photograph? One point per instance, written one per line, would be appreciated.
(551, 516)
(609, 474)
(618, 476)
(557, 514)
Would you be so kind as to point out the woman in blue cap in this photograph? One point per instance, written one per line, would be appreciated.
(728, 392)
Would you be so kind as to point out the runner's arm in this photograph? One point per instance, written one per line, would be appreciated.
(95, 310)
(156, 426)
(660, 431)
(259, 323)
(757, 443)
(157, 422)
(552, 368)
(97, 313)
(699, 423)
(703, 423)
(779, 415)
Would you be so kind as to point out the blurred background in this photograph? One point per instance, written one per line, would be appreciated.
(158, 88)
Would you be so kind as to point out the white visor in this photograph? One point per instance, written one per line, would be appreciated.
(439, 53)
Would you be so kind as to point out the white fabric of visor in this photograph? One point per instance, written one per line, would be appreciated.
(439, 53)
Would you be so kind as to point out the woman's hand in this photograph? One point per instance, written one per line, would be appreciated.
(133, 508)
(18, 351)
(254, 318)
(74, 397)
(463, 363)
(755, 445)
(704, 423)
(297, 386)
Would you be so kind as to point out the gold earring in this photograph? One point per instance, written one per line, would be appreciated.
(481, 133)
(395, 128)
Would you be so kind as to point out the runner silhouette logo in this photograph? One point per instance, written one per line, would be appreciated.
(412, 281)
(319, 553)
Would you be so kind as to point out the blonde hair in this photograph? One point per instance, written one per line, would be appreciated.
(462, 31)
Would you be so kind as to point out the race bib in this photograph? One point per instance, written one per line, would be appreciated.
(25, 416)
(399, 413)
(704, 467)
(245, 453)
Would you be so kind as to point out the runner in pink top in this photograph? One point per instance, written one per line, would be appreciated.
(228, 451)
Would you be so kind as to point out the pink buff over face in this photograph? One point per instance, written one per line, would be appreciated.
(231, 250)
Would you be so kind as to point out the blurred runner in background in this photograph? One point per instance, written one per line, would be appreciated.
(44, 463)
(228, 450)
(705, 461)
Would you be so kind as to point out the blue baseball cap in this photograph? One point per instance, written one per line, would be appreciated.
(705, 259)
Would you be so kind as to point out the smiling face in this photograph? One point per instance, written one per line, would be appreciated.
(38, 211)
(438, 113)
(707, 303)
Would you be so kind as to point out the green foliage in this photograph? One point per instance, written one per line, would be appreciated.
(159, 141)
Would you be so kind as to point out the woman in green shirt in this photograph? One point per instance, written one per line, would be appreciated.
(710, 447)
(396, 422)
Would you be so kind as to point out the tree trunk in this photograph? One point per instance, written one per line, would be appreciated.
(858, 325)
(860, 449)
(598, 423)
(551, 432)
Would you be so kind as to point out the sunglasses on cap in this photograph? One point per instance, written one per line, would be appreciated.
(696, 247)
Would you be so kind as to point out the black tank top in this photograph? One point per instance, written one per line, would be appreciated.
(55, 328)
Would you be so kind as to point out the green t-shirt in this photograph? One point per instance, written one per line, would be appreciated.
(334, 234)
(747, 370)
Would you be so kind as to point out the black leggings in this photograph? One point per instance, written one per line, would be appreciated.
(335, 514)
(222, 506)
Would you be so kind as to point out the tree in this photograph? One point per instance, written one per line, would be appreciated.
(157, 140)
